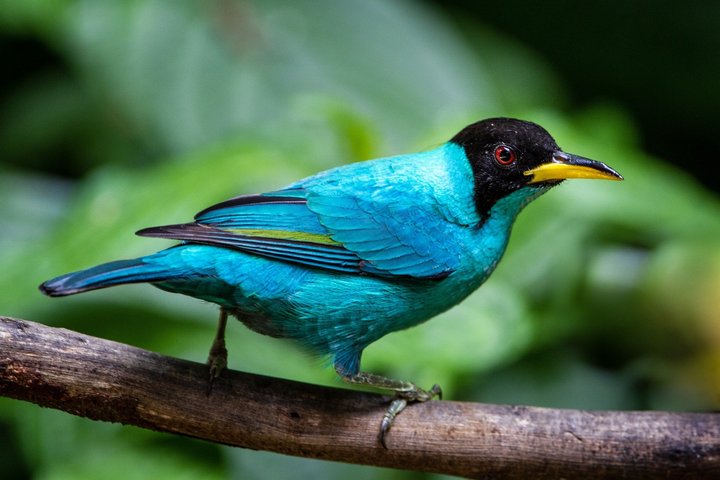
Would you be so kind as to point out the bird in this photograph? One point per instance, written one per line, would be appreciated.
(340, 259)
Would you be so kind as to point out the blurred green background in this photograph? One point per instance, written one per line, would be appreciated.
(119, 115)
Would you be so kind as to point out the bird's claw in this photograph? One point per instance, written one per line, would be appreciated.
(435, 391)
(396, 406)
(399, 403)
(217, 361)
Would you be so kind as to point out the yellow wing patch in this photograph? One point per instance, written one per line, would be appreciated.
(287, 235)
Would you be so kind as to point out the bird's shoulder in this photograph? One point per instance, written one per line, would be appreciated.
(437, 182)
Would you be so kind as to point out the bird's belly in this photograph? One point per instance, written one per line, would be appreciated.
(327, 312)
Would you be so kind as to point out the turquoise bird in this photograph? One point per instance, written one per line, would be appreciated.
(340, 259)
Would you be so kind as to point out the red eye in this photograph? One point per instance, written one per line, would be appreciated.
(505, 155)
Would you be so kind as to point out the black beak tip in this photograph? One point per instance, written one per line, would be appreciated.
(571, 159)
(614, 173)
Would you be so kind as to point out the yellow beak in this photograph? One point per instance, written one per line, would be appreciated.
(565, 165)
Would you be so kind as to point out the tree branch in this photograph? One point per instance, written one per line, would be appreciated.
(108, 381)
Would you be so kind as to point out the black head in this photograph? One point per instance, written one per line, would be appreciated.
(508, 154)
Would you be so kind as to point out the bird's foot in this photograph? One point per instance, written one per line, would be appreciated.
(217, 361)
(398, 404)
(405, 392)
(217, 358)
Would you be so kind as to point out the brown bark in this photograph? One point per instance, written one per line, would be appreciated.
(108, 381)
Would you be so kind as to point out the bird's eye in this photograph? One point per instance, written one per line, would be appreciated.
(505, 155)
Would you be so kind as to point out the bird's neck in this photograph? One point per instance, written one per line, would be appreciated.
(505, 210)
(494, 231)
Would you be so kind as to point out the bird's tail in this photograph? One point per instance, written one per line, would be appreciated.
(107, 275)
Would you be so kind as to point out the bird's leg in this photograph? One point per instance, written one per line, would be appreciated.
(404, 392)
(217, 358)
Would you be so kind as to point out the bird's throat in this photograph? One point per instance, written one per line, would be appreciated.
(504, 211)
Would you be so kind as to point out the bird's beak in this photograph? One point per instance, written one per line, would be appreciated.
(564, 165)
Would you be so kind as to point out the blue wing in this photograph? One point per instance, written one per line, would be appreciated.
(391, 236)
(354, 219)
(276, 225)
